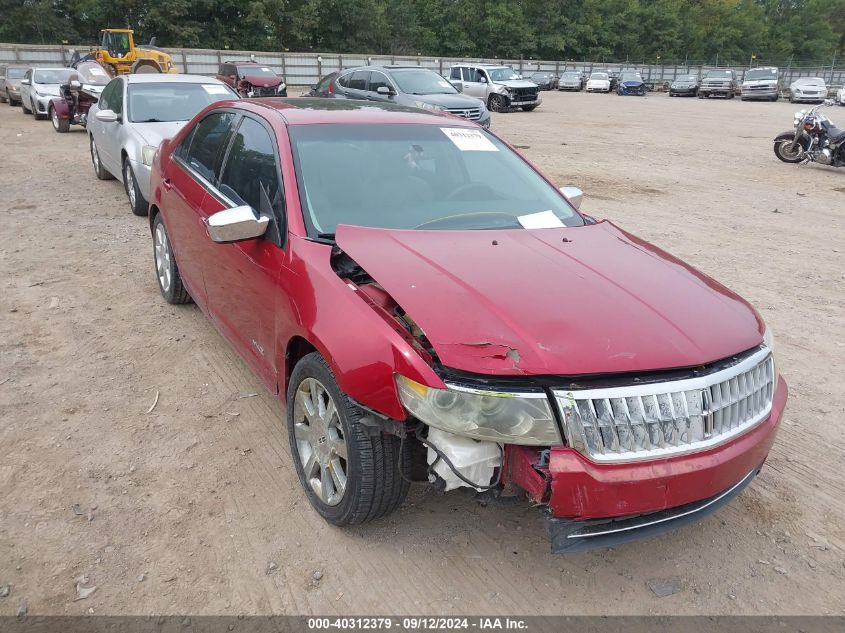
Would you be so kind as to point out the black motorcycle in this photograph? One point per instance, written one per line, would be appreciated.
(815, 139)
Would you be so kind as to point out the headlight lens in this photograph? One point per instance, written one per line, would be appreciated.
(147, 154)
(428, 106)
(492, 416)
(769, 341)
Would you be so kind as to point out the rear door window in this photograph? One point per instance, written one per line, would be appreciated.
(456, 73)
(358, 81)
(206, 141)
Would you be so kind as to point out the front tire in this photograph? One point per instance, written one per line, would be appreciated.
(497, 103)
(349, 475)
(167, 272)
(99, 170)
(137, 203)
(24, 108)
(784, 153)
(60, 125)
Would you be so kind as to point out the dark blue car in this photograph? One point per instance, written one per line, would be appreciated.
(631, 83)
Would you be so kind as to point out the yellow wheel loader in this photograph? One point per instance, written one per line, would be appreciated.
(119, 55)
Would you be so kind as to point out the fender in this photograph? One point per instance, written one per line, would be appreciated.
(60, 106)
(788, 136)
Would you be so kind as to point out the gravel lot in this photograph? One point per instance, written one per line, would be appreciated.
(195, 507)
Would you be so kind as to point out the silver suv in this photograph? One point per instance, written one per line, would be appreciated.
(501, 87)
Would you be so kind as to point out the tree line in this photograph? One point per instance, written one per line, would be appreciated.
(652, 31)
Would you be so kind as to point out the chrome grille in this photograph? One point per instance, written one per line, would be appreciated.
(648, 421)
(473, 114)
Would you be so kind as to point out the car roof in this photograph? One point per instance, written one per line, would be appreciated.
(155, 78)
(243, 62)
(308, 111)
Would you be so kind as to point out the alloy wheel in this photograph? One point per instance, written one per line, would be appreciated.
(129, 179)
(54, 116)
(162, 257)
(95, 157)
(320, 441)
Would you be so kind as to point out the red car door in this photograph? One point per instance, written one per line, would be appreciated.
(189, 176)
(243, 278)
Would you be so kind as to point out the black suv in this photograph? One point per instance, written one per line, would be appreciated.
(406, 85)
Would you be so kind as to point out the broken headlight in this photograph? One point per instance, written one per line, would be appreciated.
(509, 418)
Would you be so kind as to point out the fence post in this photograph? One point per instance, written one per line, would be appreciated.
(284, 68)
(520, 64)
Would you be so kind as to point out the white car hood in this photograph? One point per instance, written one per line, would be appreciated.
(47, 89)
(517, 83)
(155, 133)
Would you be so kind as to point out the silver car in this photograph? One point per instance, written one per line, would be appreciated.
(39, 86)
(10, 83)
(134, 114)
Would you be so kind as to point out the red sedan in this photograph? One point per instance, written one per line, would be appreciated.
(428, 305)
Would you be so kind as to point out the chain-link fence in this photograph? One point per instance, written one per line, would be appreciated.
(305, 69)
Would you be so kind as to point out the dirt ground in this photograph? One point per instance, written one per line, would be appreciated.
(195, 507)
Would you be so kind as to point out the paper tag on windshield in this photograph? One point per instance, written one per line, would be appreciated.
(266, 70)
(469, 140)
(540, 220)
(96, 71)
(215, 90)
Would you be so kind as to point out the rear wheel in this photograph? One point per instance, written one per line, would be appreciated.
(137, 204)
(4, 97)
(60, 125)
(145, 67)
(167, 272)
(349, 474)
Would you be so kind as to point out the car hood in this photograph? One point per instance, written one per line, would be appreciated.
(262, 81)
(632, 83)
(716, 80)
(570, 80)
(516, 83)
(801, 86)
(47, 89)
(569, 301)
(447, 101)
(759, 82)
(154, 133)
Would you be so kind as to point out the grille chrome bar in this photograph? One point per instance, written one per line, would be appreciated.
(473, 114)
(655, 420)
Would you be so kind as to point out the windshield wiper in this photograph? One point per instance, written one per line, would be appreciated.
(150, 121)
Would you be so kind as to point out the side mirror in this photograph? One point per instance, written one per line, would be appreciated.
(106, 116)
(236, 224)
(482, 79)
(25, 82)
(384, 90)
(573, 194)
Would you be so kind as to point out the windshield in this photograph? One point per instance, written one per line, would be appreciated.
(160, 102)
(719, 74)
(502, 74)
(15, 73)
(810, 81)
(422, 82)
(761, 73)
(56, 76)
(92, 74)
(417, 177)
(598, 76)
(571, 76)
(256, 71)
(687, 78)
(631, 77)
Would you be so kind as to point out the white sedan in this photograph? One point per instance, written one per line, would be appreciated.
(840, 96)
(598, 82)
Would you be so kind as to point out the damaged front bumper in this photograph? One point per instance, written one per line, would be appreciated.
(594, 505)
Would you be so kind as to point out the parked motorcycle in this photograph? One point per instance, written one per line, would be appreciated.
(77, 96)
(815, 139)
